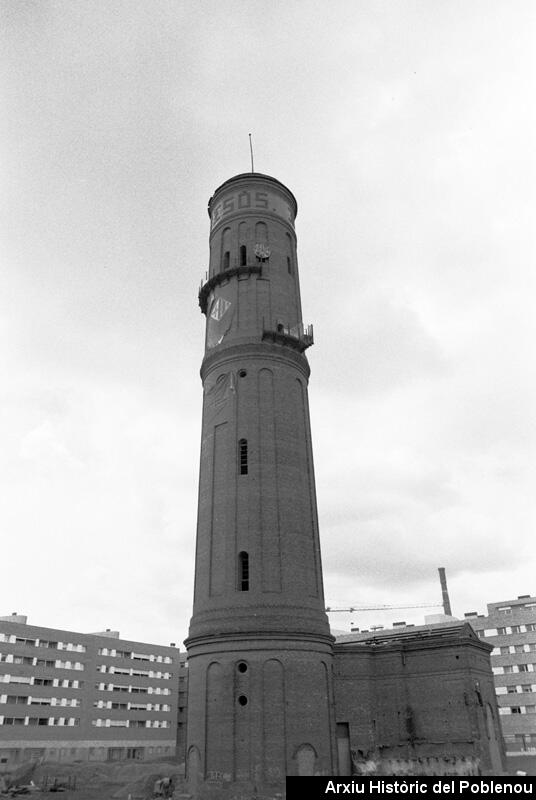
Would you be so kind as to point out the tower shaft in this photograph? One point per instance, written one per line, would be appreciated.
(259, 647)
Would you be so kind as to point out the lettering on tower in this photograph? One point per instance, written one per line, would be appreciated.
(246, 200)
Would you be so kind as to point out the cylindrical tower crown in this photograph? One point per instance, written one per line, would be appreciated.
(258, 597)
(252, 235)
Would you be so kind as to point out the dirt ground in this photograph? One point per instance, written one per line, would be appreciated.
(102, 792)
(106, 781)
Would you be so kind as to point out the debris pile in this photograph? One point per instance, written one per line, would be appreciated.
(96, 781)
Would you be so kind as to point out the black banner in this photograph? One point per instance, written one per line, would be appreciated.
(327, 787)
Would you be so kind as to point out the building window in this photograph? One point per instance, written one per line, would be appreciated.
(512, 689)
(243, 571)
(226, 248)
(142, 657)
(289, 254)
(243, 255)
(501, 631)
(261, 233)
(516, 709)
(521, 741)
(243, 456)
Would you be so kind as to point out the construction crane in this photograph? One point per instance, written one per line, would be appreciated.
(349, 609)
(445, 605)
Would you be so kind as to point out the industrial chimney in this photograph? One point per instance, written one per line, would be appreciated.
(444, 591)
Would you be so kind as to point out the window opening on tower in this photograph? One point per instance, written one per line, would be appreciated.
(289, 254)
(226, 259)
(243, 255)
(243, 456)
(243, 571)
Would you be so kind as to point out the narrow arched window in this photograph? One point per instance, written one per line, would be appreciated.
(243, 255)
(261, 233)
(226, 248)
(243, 456)
(243, 571)
(290, 251)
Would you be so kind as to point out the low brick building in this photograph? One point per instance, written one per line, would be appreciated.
(69, 696)
(417, 700)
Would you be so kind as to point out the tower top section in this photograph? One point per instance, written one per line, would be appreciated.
(252, 193)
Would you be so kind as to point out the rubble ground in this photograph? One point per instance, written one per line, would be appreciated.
(107, 781)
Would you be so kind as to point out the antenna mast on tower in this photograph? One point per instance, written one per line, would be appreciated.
(251, 152)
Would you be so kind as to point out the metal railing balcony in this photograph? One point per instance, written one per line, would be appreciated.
(221, 277)
(298, 336)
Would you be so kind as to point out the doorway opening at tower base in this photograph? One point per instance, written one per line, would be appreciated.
(306, 759)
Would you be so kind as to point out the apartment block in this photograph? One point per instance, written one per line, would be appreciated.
(182, 707)
(510, 627)
(71, 696)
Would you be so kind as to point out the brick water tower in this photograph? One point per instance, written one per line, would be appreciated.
(260, 702)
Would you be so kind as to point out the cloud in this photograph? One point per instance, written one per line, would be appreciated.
(381, 344)
(408, 145)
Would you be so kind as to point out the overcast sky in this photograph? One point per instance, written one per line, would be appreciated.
(406, 131)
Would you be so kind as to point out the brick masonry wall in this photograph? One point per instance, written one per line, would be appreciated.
(419, 700)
